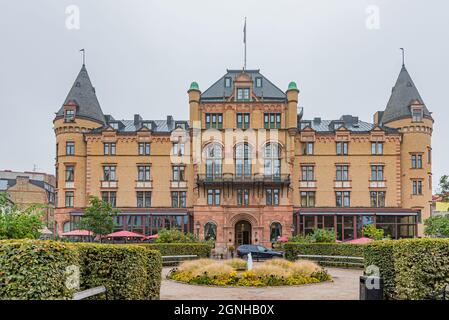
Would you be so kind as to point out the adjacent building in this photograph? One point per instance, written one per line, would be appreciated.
(247, 166)
(30, 188)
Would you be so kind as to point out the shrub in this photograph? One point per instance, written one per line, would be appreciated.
(437, 226)
(292, 249)
(36, 270)
(317, 236)
(370, 231)
(237, 264)
(202, 250)
(175, 236)
(305, 267)
(192, 266)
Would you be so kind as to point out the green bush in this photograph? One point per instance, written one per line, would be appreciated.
(202, 250)
(370, 231)
(128, 272)
(411, 268)
(36, 270)
(41, 270)
(175, 236)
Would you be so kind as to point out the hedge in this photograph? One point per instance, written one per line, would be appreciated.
(34, 270)
(202, 250)
(128, 272)
(293, 249)
(411, 268)
(31, 269)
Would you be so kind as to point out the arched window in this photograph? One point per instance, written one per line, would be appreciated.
(214, 156)
(66, 226)
(243, 160)
(272, 159)
(275, 231)
(210, 231)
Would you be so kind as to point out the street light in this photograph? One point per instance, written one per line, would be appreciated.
(292, 228)
(197, 226)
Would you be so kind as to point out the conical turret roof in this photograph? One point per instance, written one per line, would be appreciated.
(82, 94)
(403, 94)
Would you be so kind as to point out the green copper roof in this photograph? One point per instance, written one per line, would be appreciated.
(292, 86)
(194, 86)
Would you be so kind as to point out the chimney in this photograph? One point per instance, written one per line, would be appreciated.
(137, 119)
(317, 120)
(170, 122)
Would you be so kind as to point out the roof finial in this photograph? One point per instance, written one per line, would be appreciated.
(403, 56)
(244, 42)
(84, 56)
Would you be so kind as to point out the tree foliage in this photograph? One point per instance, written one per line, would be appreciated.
(370, 231)
(98, 217)
(175, 236)
(437, 226)
(18, 223)
(444, 188)
(317, 236)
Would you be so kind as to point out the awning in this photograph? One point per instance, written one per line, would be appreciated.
(77, 233)
(124, 234)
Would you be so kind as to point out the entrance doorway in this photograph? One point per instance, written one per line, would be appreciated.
(242, 233)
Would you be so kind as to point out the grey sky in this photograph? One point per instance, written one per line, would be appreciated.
(142, 56)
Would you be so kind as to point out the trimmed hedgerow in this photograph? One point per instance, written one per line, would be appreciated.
(128, 272)
(292, 249)
(43, 270)
(411, 268)
(36, 270)
(202, 250)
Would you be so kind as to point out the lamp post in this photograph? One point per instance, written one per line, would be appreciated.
(292, 229)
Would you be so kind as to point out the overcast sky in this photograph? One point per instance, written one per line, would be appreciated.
(142, 55)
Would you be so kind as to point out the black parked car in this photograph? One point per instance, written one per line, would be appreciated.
(257, 252)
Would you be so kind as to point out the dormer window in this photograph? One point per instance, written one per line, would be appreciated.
(69, 115)
(243, 94)
(114, 125)
(258, 82)
(148, 125)
(227, 82)
(417, 113)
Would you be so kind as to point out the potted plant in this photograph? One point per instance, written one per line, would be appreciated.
(231, 250)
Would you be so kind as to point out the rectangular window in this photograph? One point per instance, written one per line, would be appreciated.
(109, 173)
(377, 173)
(377, 199)
(178, 173)
(144, 148)
(143, 173)
(214, 120)
(342, 173)
(213, 197)
(69, 173)
(416, 161)
(144, 199)
(342, 199)
(307, 173)
(109, 148)
(179, 199)
(272, 197)
(69, 199)
(272, 120)
(417, 114)
(342, 148)
(242, 197)
(70, 148)
(109, 197)
(307, 199)
(258, 82)
(417, 187)
(178, 149)
(377, 148)
(227, 82)
(69, 115)
(243, 94)
(429, 155)
(308, 148)
(243, 120)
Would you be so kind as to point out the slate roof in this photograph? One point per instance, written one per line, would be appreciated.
(218, 91)
(403, 93)
(158, 126)
(83, 95)
(351, 123)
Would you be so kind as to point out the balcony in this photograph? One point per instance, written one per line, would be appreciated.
(69, 185)
(342, 184)
(307, 184)
(377, 184)
(144, 184)
(109, 184)
(178, 184)
(254, 179)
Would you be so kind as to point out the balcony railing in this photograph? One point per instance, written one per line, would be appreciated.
(230, 178)
(178, 184)
(377, 184)
(343, 184)
(307, 184)
(69, 185)
(109, 184)
(144, 184)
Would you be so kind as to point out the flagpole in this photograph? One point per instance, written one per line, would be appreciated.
(244, 41)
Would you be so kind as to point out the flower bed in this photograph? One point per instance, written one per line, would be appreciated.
(276, 272)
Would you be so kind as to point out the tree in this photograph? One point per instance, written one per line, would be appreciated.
(98, 217)
(18, 223)
(175, 236)
(370, 231)
(437, 226)
(444, 188)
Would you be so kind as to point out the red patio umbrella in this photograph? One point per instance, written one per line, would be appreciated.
(361, 240)
(77, 233)
(124, 234)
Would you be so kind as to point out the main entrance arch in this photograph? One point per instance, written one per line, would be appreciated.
(243, 231)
